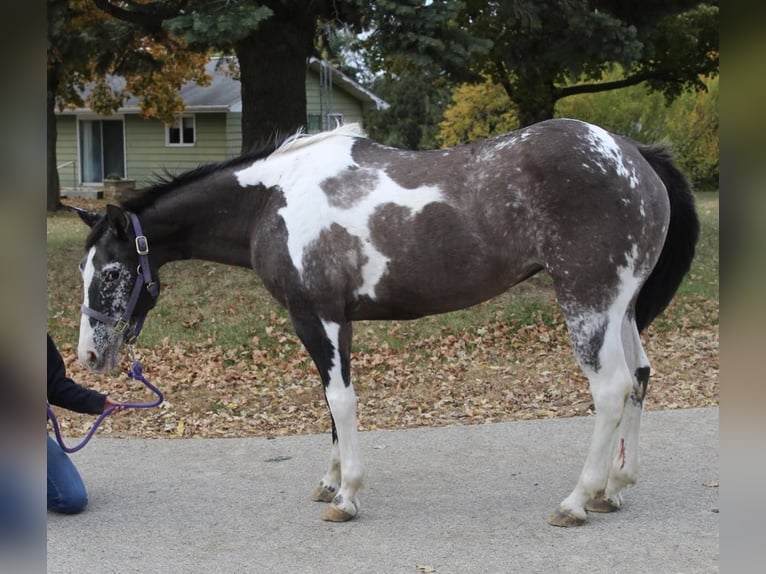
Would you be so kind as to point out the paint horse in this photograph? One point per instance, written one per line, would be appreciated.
(341, 228)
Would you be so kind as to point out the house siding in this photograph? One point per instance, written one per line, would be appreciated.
(147, 155)
(66, 151)
(233, 134)
(218, 137)
(337, 101)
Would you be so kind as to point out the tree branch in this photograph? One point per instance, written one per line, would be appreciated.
(616, 84)
(502, 75)
(150, 16)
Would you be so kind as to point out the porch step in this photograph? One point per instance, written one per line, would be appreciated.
(83, 192)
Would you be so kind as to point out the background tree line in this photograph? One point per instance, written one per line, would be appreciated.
(415, 54)
(688, 123)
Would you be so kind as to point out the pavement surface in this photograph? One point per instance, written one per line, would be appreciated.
(454, 500)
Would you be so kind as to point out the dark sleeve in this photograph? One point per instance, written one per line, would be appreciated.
(64, 392)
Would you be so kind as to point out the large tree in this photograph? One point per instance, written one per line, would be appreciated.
(271, 39)
(543, 50)
(86, 46)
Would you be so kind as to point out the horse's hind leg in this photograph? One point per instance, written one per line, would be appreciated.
(596, 337)
(624, 471)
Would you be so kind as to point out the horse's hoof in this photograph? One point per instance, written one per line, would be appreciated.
(340, 511)
(323, 493)
(565, 518)
(602, 505)
(335, 514)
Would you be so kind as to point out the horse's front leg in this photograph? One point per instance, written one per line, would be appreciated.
(329, 344)
(329, 485)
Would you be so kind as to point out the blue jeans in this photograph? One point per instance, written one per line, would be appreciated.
(66, 490)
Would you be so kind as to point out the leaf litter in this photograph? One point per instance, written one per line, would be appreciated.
(497, 372)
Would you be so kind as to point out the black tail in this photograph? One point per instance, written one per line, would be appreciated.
(678, 251)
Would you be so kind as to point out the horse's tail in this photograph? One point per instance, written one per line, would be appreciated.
(680, 242)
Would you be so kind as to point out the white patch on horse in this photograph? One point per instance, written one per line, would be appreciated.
(308, 211)
(86, 343)
(100, 340)
(586, 323)
(603, 143)
(513, 139)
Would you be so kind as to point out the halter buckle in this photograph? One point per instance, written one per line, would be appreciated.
(142, 245)
(121, 326)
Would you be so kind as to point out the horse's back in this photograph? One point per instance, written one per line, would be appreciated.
(400, 233)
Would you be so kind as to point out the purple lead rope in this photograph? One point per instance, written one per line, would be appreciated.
(135, 372)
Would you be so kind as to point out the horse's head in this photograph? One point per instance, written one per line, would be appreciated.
(120, 286)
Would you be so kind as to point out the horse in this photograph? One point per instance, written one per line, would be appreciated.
(340, 228)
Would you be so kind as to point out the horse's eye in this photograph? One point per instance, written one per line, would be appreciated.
(111, 275)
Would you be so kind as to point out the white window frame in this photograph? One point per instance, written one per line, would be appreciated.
(335, 119)
(179, 124)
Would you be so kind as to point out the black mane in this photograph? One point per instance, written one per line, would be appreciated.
(166, 182)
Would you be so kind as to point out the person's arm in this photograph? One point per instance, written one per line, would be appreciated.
(64, 392)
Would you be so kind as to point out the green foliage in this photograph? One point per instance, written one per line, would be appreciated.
(692, 127)
(682, 50)
(689, 124)
(535, 49)
(478, 111)
(415, 35)
(220, 24)
(631, 111)
(412, 120)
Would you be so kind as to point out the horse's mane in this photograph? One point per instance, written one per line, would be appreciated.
(166, 182)
(301, 139)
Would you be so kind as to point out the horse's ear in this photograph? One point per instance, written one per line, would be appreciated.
(89, 217)
(118, 221)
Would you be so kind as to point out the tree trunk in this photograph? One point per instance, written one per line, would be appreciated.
(53, 185)
(534, 95)
(272, 63)
(531, 112)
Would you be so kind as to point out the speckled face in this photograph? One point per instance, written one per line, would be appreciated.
(107, 283)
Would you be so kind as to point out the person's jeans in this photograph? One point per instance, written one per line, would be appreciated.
(66, 490)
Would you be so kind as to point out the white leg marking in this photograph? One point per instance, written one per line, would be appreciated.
(342, 402)
(624, 470)
(330, 482)
(610, 387)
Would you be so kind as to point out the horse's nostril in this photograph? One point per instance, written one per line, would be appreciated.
(91, 358)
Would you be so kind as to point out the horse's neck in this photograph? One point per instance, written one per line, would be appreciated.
(205, 223)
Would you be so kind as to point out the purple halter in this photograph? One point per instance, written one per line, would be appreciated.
(144, 278)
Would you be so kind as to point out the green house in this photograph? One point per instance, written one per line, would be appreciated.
(91, 147)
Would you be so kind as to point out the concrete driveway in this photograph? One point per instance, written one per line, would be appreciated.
(455, 500)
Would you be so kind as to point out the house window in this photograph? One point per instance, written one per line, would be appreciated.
(182, 132)
(334, 121)
(331, 121)
(314, 123)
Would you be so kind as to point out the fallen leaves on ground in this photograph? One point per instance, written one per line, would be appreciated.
(494, 373)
